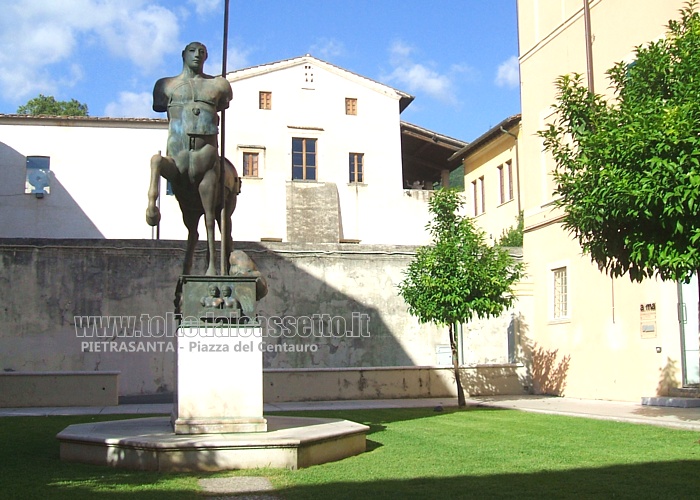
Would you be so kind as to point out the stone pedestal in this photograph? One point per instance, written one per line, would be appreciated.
(219, 382)
(219, 362)
(217, 418)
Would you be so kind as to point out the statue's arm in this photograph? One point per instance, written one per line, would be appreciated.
(225, 93)
(160, 98)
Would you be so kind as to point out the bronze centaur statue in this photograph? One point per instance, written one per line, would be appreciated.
(192, 162)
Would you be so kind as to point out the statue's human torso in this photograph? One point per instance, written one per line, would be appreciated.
(193, 104)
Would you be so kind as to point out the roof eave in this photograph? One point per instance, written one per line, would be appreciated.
(485, 138)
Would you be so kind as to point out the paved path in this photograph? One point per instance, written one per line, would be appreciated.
(681, 418)
(621, 411)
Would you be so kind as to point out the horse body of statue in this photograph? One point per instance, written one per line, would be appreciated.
(192, 163)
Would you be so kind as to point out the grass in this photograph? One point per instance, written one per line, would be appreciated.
(412, 453)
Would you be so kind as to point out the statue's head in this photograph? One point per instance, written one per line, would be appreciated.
(213, 290)
(194, 55)
(227, 291)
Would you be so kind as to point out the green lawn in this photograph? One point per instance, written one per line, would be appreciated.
(412, 453)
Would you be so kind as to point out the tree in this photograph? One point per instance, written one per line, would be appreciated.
(513, 236)
(47, 105)
(628, 167)
(456, 179)
(459, 276)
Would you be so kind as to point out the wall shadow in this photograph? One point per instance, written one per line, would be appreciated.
(545, 369)
(55, 280)
(667, 377)
(56, 215)
(532, 369)
(676, 479)
(619, 481)
(297, 289)
(491, 380)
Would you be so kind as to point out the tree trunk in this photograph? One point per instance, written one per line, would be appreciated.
(455, 363)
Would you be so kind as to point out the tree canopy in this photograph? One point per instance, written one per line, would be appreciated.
(628, 166)
(48, 105)
(513, 236)
(459, 277)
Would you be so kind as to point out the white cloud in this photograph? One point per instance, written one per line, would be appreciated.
(204, 7)
(143, 36)
(36, 34)
(327, 48)
(132, 105)
(237, 58)
(508, 74)
(399, 52)
(417, 78)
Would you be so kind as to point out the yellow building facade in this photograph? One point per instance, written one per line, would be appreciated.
(491, 180)
(598, 337)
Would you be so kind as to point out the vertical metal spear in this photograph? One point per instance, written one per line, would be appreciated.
(223, 226)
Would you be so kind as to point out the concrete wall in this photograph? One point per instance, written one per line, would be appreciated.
(26, 389)
(389, 382)
(46, 283)
(100, 388)
(313, 212)
(49, 282)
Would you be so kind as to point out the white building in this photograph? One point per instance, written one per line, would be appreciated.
(322, 151)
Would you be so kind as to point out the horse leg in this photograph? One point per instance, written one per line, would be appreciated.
(225, 233)
(229, 207)
(191, 220)
(232, 183)
(207, 192)
(152, 211)
(159, 166)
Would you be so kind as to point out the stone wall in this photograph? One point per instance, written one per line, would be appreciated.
(313, 212)
(328, 306)
(47, 283)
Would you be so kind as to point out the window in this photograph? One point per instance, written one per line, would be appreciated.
(250, 164)
(356, 167)
(303, 159)
(509, 169)
(37, 181)
(561, 294)
(482, 192)
(265, 100)
(502, 183)
(476, 198)
(350, 106)
(505, 175)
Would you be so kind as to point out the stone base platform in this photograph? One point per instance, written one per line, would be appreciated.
(151, 444)
(671, 402)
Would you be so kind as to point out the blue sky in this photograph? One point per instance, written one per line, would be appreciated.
(458, 58)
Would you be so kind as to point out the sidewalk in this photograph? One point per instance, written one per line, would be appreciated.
(680, 418)
(619, 411)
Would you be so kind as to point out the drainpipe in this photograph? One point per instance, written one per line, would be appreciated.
(591, 89)
(589, 43)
